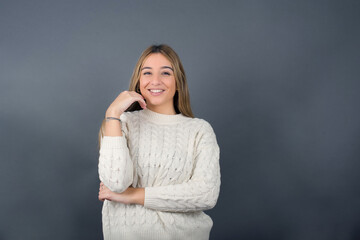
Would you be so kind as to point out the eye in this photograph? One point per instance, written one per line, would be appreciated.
(146, 73)
(166, 73)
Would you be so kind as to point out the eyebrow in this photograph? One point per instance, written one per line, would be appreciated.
(161, 67)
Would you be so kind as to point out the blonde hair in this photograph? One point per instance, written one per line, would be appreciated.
(181, 97)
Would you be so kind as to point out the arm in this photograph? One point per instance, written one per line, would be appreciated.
(115, 166)
(201, 191)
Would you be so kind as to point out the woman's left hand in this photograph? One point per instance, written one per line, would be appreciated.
(126, 197)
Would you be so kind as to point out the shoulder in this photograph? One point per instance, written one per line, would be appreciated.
(128, 121)
(205, 133)
(129, 116)
(203, 125)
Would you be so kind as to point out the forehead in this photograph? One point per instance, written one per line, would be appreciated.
(156, 59)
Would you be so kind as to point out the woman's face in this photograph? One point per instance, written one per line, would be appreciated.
(157, 74)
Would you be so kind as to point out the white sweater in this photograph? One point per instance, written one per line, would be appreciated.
(176, 159)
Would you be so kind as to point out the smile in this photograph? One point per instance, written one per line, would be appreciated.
(156, 92)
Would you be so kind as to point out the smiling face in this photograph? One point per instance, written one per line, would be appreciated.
(157, 74)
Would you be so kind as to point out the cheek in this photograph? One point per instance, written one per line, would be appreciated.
(171, 83)
(143, 82)
(174, 86)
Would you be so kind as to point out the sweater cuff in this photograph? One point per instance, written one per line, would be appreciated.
(151, 200)
(110, 142)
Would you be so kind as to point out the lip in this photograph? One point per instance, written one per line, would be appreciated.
(157, 93)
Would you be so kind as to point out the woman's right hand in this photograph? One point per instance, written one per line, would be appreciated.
(123, 102)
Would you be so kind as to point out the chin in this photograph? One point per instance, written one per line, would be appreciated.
(155, 103)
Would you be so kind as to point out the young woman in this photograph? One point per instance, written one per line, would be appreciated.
(158, 165)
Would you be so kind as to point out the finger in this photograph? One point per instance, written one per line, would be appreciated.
(102, 196)
(142, 103)
(141, 97)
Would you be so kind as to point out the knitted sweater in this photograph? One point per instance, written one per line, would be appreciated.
(176, 159)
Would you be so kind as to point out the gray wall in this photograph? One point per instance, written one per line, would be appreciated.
(278, 80)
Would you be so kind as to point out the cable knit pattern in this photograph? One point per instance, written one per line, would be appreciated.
(176, 159)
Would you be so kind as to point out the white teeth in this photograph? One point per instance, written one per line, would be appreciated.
(156, 90)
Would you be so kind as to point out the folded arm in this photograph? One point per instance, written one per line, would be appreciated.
(200, 192)
(115, 166)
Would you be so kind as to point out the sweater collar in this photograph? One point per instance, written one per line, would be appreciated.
(162, 118)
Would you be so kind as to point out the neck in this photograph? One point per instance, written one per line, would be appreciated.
(162, 109)
(161, 118)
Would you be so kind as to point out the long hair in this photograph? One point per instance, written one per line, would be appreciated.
(181, 97)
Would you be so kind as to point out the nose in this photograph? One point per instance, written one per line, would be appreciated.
(156, 79)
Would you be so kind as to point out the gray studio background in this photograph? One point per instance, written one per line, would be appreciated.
(278, 81)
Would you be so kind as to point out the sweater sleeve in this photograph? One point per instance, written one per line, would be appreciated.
(201, 191)
(115, 166)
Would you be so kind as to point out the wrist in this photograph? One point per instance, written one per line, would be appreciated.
(139, 196)
(112, 113)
